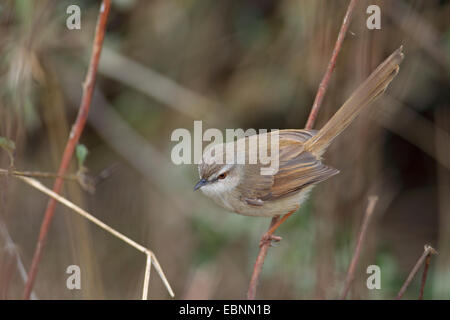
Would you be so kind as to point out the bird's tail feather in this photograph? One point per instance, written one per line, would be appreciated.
(367, 92)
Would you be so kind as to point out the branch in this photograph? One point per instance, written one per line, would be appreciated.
(362, 234)
(39, 174)
(326, 78)
(258, 265)
(310, 123)
(424, 276)
(77, 129)
(428, 251)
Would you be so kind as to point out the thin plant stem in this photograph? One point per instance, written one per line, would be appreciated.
(251, 293)
(424, 276)
(428, 250)
(75, 133)
(149, 254)
(148, 266)
(323, 86)
(39, 174)
(356, 254)
(309, 124)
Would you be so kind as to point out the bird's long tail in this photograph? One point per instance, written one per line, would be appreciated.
(367, 92)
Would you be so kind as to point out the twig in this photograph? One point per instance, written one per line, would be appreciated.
(39, 174)
(326, 78)
(149, 254)
(77, 129)
(424, 276)
(310, 123)
(428, 251)
(259, 264)
(86, 183)
(362, 234)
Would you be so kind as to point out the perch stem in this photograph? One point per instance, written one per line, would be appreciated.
(310, 123)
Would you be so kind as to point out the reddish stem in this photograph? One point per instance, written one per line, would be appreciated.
(75, 133)
(427, 252)
(362, 234)
(424, 276)
(323, 86)
(310, 123)
(251, 293)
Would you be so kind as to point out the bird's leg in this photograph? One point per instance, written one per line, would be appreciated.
(276, 222)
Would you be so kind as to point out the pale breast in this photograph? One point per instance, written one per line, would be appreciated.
(232, 201)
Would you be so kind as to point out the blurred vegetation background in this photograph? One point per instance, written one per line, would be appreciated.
(233, 64)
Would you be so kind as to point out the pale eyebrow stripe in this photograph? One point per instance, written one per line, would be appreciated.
(223, 170)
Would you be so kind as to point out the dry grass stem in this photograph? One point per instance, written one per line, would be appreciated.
(428, 251)
(424, 276)
(148, 267)
(356, 254)
(149, 254)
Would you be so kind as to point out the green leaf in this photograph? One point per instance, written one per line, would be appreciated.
(81, 153)
(9, 146)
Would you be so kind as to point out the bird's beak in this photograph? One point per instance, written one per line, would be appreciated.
(200, 184)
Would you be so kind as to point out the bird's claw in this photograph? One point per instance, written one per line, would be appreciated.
(269, 238)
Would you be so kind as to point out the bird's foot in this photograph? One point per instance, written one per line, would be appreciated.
(269, 239)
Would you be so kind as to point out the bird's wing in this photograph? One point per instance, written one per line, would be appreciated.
(297, 170)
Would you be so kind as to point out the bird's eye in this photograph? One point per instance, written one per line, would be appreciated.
(222, 176)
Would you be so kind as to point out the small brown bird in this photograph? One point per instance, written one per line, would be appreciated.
(242, 188)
